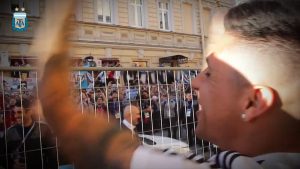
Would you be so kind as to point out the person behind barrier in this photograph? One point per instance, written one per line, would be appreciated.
(30, 143)
(132, 117)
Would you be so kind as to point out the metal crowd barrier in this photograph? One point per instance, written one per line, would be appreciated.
(161, 94)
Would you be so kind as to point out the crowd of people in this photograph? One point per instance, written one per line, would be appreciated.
(166, 109)
(162, 96)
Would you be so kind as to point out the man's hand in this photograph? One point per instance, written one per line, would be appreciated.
(88, 141)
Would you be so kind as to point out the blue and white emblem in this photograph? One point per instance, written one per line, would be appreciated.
(19, 21)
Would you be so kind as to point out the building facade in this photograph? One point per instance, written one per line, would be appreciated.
(129, 32)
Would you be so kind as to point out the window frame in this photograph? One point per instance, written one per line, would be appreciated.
(111, 11)
(142, 6)
(161, 12)
(194, 23)
(141, 63)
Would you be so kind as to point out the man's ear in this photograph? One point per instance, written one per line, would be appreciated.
(261, 100)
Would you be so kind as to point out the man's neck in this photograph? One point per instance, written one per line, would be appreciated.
(28, 123)
(280, 134)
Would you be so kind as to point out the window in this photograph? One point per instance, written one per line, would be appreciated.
(29, 61)
(104, 10)
(23, 61)
(136, 13)
(187, 14)
(111, 62)
(164, 15)
(139, 63)
(207, 20)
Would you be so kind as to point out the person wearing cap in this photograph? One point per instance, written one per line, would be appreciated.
(248, 99)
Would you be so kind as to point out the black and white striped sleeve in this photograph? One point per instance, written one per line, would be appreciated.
(234, 160)
(146, 158)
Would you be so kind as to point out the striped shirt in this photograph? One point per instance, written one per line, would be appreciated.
(145, 158)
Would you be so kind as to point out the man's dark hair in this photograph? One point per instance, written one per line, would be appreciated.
(187, 90)
(114, 91)
(271, 30)
(265, 18)
(25, 103)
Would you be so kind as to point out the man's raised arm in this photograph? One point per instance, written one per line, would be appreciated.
(88, 141)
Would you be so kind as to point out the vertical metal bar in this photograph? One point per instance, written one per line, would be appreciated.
(169, 110)
(4, 116)
(80, 89)
(193, 113)
(39, 128)
(185, 108)
(159, 100)
(150, 103)
(140, 99)
(106, 93)
(129, 98)
(119, 101)
(22, 109)
(177, 107)
(95, 106)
